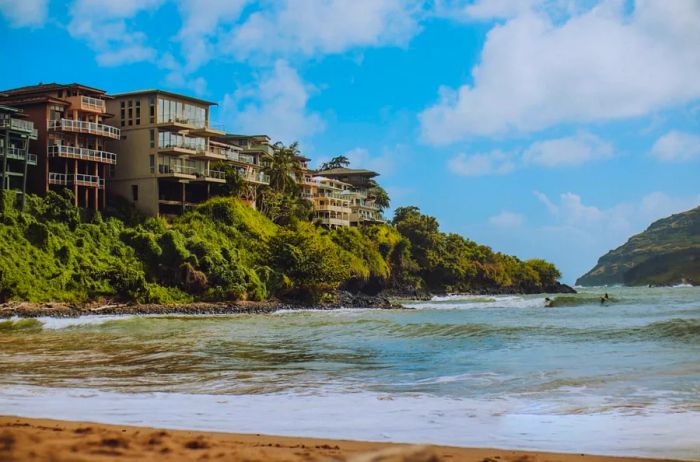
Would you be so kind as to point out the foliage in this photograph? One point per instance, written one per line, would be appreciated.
(234, 185)
(283, 168)
(225, 250)
(380, 196)
(336, 162)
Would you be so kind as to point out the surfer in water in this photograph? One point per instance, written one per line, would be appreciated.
(604, 299)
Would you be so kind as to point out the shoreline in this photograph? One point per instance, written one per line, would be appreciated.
(73, 310)
(59, 440)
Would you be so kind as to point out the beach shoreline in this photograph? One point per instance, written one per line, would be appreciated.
(25, 439)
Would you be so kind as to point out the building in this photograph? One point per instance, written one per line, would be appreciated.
(359, 191)
(166, 160)
(72, 138)
(331, 201)
(15, 134)
(248, 154)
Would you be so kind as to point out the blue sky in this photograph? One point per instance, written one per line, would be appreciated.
(544, 128)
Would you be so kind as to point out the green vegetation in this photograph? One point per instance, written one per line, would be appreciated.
(667, 253)
(225, 250)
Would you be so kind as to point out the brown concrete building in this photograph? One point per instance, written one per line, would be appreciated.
(166, 157)
(15, 159)
(359, 193)
(72, 142)
(169, 152)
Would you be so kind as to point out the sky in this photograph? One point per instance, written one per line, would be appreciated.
(543, 128)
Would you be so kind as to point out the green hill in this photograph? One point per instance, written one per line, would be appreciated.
(667, 253)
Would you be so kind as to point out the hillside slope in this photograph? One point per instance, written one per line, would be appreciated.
(667, 253)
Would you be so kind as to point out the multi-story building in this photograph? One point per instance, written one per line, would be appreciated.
(71, 139)
(248, 154)
(166, 158)
(359, 192)
(15, 135)
(331, 201)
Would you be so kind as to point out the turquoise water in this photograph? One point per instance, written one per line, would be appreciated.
(620, 378)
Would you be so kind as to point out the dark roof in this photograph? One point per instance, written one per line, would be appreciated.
(24, 100)
(235, 135)
(164, 92)
(347, 172)
(47, 87)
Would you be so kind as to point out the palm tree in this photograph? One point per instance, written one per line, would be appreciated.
(336, 162)
(380, 196)
(284, 168)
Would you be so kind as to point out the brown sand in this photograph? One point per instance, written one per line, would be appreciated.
(23, 439)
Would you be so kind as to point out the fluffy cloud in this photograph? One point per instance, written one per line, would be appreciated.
(600, 64)
(568, 151)
(23, 13)
(677, 146)
(491, 163)
(507, 219)
(103, 25)
(200, 26)
(275, 106)
(308, 27)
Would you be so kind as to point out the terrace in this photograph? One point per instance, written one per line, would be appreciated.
(80, 126)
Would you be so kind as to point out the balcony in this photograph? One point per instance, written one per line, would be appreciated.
(19, 125)
(78, 179)
(204, 129)
(186, 149)
(71, 152)
(177, 171)
(212, 176)
(332, 221)
(19, 154)
(332, 208)
(87, 103)
(256, 177)
(80, 126)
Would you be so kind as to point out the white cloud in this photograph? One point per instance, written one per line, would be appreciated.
(491, 163)
(23, 13)
(103, 25)
(200, 27)
(276, 106)
(507, 219)
(601, 64)
(676, 146)
(309, 27)
(567, 151)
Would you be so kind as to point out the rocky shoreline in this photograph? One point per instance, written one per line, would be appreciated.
(384, 301)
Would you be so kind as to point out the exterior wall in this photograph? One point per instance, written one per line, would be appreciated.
(160, 172)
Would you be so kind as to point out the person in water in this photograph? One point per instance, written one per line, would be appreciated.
(604, 299)
(547, 302)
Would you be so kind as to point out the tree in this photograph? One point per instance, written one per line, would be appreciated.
(336, 162)
(284, 168)
(234, 181)
(380, 196)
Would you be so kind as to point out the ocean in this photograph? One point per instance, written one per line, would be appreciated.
(621, 378)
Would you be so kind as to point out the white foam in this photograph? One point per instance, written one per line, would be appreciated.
(465, 303)
(503, 422)
(62, 323)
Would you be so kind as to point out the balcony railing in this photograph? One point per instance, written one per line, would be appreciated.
(257, 177)
(216, 174)
(58, 150)
(19, 125)
(188, 146)
(95, 104)
(19, 154)
(196, 123)
(76, 178)
(85, 127)
(166, 169)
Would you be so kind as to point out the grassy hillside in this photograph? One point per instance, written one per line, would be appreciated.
(668, 252)
(224, 250)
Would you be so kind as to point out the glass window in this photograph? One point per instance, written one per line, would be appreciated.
(152, 163)
(152, 137)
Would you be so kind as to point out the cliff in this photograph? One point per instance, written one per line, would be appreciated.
(666, 253)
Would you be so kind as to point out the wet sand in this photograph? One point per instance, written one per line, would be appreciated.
(23, 439)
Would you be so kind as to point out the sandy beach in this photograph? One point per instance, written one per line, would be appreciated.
(23, 439)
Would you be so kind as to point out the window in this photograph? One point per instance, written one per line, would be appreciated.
(152, 163)
(152, 138)
(135, 192)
